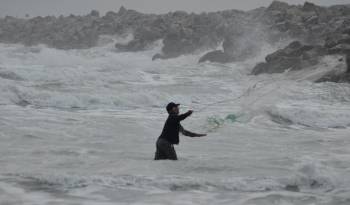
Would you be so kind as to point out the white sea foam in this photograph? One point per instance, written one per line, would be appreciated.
(79, 126)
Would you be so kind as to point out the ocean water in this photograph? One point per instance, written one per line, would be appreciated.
(79, 127)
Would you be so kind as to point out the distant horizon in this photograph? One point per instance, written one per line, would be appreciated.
(33, 8)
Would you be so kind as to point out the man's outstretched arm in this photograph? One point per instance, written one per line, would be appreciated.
(190, 134)
(185, 115)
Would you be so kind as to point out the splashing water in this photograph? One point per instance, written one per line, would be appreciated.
(79, 127)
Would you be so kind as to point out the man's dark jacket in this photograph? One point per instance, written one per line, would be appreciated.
(172, 127)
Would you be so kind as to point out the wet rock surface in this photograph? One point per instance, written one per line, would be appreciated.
(295, 56)
(321, 31)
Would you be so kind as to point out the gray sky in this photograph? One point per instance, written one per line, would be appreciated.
(56, 7)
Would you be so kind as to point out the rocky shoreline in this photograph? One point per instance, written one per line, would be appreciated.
(321, 31)
(232, 35)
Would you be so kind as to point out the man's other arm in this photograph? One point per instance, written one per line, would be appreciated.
(190, 134)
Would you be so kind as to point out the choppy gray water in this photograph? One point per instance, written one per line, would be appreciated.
(79, 127)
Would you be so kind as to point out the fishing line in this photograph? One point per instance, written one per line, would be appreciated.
(230, 99)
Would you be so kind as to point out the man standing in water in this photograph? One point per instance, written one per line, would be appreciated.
(170, 133)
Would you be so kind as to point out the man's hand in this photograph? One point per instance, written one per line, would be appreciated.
(190, 111)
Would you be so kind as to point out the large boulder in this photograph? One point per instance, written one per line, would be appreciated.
(295, 56)
(335, 77)
(310, 7)
(339, 75)
(278, 6)
(278, 66)
(338, 43)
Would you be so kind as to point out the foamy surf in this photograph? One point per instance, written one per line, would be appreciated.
(79, 127)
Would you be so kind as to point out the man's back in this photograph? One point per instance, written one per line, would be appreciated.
(171, 129)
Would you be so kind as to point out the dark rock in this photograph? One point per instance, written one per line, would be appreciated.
(340, 75)
(338, 43)
(335, 77)
(336, 39)
(290, 51)
(278, 6)
(293, 188)
(95, 13)
(216, 56)
(157, 56)
(295, 56)
(308, 6)
(10, 76)
(278, 66)
(23, 103)
(122, 10)
(260, 68)
(340, 49)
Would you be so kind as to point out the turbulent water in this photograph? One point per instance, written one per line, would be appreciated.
(79, 127)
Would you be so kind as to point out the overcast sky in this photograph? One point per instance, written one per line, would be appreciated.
(56, 7)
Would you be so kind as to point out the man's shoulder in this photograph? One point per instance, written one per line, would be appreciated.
(173, 118)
